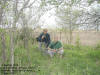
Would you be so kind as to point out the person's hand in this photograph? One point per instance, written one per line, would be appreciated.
(54, 50)
(49, 48)
(43, 37)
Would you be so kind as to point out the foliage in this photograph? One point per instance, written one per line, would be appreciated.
(68, 17)
(91, 1)
(97, 46)
(78, 42)
(75, 61)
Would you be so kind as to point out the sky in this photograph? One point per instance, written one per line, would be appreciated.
(48, 20)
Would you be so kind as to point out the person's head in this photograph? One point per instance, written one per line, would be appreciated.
(55, 39)
(45, 31)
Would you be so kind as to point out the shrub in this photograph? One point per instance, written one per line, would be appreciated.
(97, 46)
(77, 43)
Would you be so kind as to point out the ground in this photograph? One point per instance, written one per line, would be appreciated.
(75, 61)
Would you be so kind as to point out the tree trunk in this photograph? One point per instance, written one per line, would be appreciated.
(12, 49)
(2, 34)
(3, 48)
(70, 33)
(70, 40)
(97, 28)
(1, 12)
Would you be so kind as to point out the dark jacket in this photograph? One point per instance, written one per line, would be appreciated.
(46, 39)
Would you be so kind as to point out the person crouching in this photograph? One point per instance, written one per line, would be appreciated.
(43, 39)
(55, 47)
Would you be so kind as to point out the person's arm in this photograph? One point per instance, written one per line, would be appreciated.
(40, 37)
(60, 48)
(52, 49)
(49, 47)
(49, 38)
(43, 36)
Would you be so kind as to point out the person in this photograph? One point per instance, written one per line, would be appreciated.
(43, 39)
(55, 47)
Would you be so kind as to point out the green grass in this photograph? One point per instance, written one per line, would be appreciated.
(83, 60)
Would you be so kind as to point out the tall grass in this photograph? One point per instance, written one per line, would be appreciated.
(83, 60)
